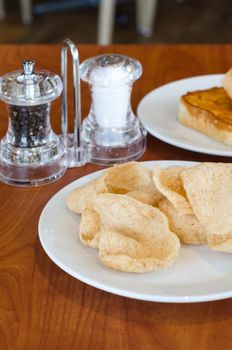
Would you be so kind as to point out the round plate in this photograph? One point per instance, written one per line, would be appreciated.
(199, 274)
(158, 112)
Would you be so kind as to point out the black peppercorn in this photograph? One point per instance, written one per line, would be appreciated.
(29, 125)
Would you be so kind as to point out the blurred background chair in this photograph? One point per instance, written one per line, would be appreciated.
(2, 9)
(26, 11)
(117, 21)
(145, 14)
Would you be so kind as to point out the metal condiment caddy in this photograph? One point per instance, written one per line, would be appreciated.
(32, 154)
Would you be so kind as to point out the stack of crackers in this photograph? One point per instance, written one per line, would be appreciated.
(138, 218)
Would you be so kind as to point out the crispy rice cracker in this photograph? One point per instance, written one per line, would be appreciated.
(133, 237)
(77, 198)
(130, 177)
(209, 188)
(169, 183)
(187, 227)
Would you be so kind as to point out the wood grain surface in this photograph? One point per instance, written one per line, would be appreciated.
(42, 307)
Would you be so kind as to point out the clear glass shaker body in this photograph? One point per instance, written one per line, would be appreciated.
(111, 130)
(29, 126)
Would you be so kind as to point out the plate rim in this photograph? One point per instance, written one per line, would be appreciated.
(174, 142)
(114, 290)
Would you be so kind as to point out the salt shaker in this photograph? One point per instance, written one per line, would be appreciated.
(111, 131)
(30, 153)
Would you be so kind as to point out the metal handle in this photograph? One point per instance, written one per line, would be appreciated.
(76, 154)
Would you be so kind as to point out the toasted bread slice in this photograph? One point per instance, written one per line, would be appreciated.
(227, 82)
(208, 111)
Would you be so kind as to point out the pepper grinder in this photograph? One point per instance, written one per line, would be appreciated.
(111, 132)
(30, 153)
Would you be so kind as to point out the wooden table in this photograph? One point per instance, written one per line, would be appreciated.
(42, 307)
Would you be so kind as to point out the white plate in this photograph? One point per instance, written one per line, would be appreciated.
(158, 111)
(199, 274)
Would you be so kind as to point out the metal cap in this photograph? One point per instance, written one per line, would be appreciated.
(28, 67)
(29, 87)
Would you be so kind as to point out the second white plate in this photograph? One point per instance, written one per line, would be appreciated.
(158, 111)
